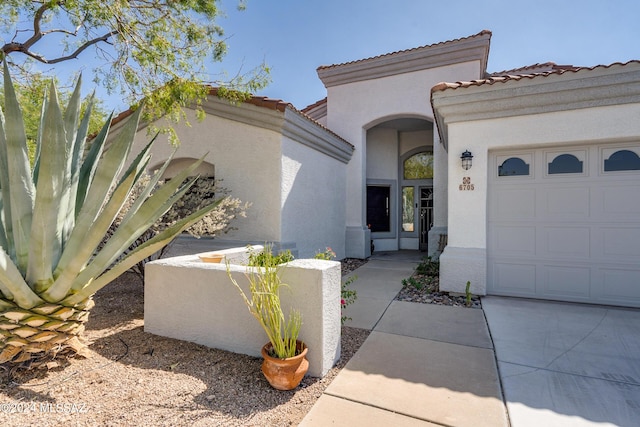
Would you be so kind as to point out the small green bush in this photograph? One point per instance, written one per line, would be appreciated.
(428, 267)
(265, 258)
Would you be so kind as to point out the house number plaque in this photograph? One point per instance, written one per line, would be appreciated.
(466, 184)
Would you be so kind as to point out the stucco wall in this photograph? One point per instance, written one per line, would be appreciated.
(246, 157)
(440, 195)
(382, 153)
(414, 139)
(357, 106)
(313, 200)
(187, 299)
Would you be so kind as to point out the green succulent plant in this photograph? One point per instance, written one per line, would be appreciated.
(54, 215)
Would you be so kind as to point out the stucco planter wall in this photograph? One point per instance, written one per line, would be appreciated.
(190, 300)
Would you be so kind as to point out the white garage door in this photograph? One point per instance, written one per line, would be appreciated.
(564, 224)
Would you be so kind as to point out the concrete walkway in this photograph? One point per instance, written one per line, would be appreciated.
(560, 364)
(422, 364)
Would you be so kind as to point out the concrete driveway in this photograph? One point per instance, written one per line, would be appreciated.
(565, 364)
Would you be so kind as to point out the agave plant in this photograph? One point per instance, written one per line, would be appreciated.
(54, 215)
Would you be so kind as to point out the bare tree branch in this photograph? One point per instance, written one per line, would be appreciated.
(37, 32)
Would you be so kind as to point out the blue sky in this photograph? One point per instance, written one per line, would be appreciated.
(294, 37)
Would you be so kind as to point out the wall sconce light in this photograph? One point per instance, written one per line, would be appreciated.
(466, 160)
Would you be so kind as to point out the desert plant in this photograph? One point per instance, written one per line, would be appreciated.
(54, 217)
(413, 282)
(264, 303)
(429, 267)
(467, 291)
(347, 295)
(266, 257)
(203, 192)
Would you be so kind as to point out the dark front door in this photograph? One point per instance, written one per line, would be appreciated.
(378, 216)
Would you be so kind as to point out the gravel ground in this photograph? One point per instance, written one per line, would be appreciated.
(136, 378)
(428, 292)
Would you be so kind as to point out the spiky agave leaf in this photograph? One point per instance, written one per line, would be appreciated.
(19, 196)
(50, 230)
(45, 241)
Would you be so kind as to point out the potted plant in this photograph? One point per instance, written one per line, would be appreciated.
(285, 362)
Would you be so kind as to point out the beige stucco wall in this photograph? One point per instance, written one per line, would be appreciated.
(242, 155)
(207, 309)
(382, 153)
(411, 140)
(355, 107)
(440, 195)
(313, 200)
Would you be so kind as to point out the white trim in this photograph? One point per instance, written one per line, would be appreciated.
(614, 85)
(290, 124)
(302, 130)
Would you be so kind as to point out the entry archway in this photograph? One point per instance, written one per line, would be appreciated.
(389, 144)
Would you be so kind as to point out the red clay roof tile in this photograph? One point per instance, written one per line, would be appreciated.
(314, 105)
(505, 76)
(481, 33)
(259, 101)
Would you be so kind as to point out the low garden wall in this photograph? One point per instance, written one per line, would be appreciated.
(191, 300)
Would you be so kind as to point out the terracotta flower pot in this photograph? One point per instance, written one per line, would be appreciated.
(285, 374)
(211, 257)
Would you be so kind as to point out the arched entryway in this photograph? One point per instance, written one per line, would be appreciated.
(399, 177)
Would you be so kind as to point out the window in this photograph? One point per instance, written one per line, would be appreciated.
(407, 208)
(378, 204)
(419, 166)
(513, 166)
(622, 160)
(565, 163)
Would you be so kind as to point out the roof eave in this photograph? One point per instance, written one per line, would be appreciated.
(562, 90)
(473, 48)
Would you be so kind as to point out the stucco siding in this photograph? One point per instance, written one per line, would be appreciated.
(313, 200)
(382, 154)
(416, 139)
(355, 107)
(242, 155)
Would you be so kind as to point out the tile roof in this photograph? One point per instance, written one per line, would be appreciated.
(521, 74)
(481, 33)
(259, 101)
(534, 68)
(314, 105)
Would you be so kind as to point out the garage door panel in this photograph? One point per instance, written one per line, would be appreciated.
(516, 203)
(621, 243)
(621, 200)
(572, 202)
(567, 281)
(620, 285)
(566, 236)
(514, 279)
(519, 240)
(567, 241)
